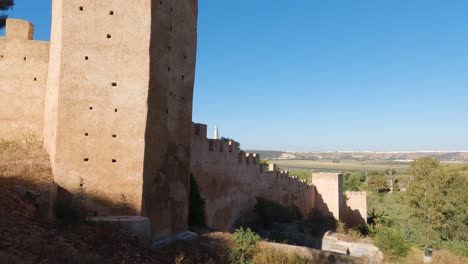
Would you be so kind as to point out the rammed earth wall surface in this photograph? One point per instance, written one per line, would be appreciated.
(119, 105)
(23, 77)
(230, 180)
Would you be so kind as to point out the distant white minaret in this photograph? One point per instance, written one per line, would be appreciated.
(216, 132)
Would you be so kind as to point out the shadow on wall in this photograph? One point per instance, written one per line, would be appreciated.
(74, 207)
(168, 132)
(321, 205)
(353, 217)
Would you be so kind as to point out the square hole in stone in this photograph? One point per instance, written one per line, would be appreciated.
(90, 108)
(35, 79)
(114, 84)
(81, 8)
(85, 159)
(86, 58)
(111, 13)
(114, 135)
(114, 160)
(115, 110)
(24, 58)
(109, 36)
(86, 134)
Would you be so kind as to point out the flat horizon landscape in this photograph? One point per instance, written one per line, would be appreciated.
(401, 156)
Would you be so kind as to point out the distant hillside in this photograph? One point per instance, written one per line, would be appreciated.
(267, 154)
(404, 156)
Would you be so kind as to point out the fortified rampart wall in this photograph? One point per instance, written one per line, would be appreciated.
(230, 180)
(113, 99)
(23, 76)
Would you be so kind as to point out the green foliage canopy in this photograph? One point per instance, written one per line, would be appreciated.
(5, 5)
(437, 198)
(392, 242)
(378, 183)
(353, 181)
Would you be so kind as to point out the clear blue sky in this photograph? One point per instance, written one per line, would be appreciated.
(316, 75)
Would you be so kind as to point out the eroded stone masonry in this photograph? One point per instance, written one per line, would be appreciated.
(111, 97)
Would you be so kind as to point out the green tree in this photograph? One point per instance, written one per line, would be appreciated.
(353, 181)
(5, 5)
(437, 198)
(378, 183)
(237, 144)
(196, 204)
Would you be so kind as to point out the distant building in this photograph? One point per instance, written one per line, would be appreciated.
(216, 132)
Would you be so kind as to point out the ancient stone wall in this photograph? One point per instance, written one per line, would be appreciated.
(113, 99)
(119, 105)
(230, 181)
(23, 75)
(356, 208)
(329, 195)
(348, 207)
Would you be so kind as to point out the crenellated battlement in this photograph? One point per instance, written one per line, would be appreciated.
(19, 29)
(230, 180)
(229, 176)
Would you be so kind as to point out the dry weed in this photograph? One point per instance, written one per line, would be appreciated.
(24, 162)
(267, 255)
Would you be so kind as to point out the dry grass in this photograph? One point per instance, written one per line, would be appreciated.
(24, 162)
(445, 257)
(415, 256)
(268, 255)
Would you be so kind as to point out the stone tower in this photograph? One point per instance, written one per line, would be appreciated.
(118, 105)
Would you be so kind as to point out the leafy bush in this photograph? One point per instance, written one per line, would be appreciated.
(25, 142)
(30, 139)
(391, 242)
(245, 245)
(9, 146)
(268, 212)
(353, 181)
(196, 205)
